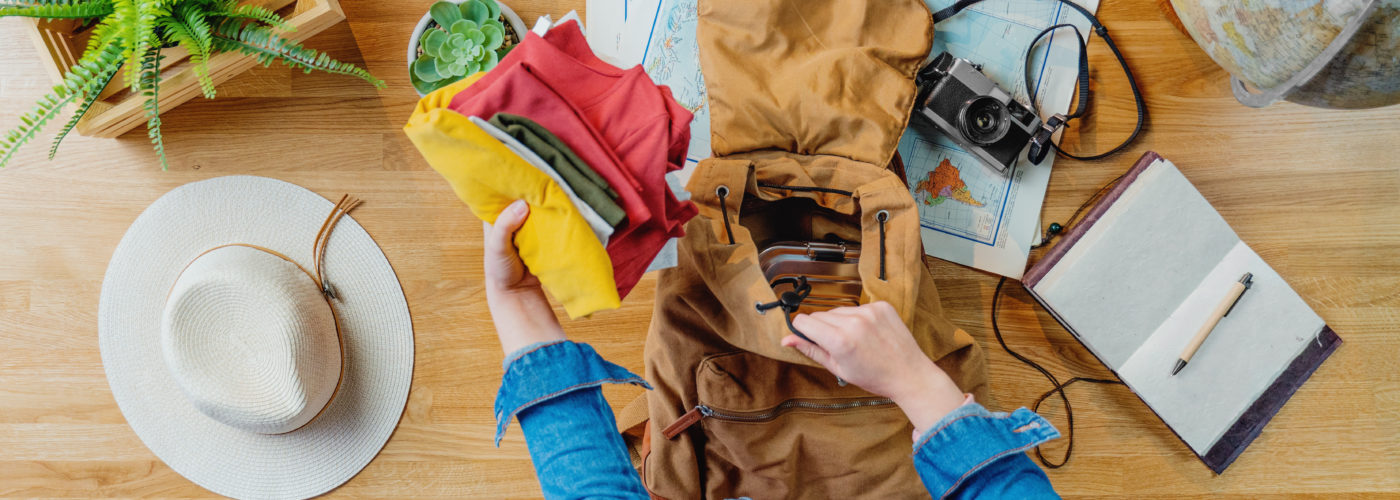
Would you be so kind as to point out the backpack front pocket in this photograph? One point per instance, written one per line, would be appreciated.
(769, 429)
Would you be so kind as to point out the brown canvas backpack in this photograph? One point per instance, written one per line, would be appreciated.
(808, 100)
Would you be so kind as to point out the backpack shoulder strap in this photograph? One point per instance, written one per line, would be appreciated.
(632, 423)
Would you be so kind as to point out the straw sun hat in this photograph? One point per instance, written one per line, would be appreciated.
(229, 357)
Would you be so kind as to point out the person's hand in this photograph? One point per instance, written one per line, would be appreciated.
(518, 305)
(869, 346)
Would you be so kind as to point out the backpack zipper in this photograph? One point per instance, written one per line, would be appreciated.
(700, 412)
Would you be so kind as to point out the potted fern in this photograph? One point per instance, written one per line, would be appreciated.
(132, 37)
(459, 38)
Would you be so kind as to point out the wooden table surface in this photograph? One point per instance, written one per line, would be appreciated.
(1315, 192)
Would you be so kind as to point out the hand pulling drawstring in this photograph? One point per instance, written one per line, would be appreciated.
(789, 301)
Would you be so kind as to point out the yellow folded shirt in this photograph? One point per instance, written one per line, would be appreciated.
(556, 243)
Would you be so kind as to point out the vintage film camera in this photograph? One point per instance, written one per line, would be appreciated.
(978, 115)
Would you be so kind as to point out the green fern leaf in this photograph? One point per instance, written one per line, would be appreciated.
(72, 122)
(189, 28)
(256, 13)
(147, 14)
(264, 45)
(150, 86)
(56, 9)
(88, 97)
(123, 17)
(202, 31)
(74, 85)
(102, 34)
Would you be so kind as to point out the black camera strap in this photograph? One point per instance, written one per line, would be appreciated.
(1049, 128)
(1056, 122)
(952, 10)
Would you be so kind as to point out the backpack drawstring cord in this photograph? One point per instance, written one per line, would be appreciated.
(789, 301)
(723, 192)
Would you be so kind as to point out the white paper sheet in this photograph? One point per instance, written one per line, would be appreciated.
(605, 20)
(618, 28)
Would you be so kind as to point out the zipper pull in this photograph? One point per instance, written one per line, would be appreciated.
(686, 421)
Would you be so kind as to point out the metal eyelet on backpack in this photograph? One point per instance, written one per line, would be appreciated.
(882, 216)
(722, 191)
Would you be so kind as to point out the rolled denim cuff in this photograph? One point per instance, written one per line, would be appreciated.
(969, 439)
(516, 354)
(550, 370)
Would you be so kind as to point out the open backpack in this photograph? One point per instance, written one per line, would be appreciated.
(808, 101)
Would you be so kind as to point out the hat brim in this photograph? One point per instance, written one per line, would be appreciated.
(370, 305)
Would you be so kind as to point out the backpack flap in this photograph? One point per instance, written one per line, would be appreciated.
(811, 77)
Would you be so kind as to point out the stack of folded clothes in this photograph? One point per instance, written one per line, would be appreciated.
(586, 144)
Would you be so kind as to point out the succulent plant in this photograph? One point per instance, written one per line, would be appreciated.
(468, 38)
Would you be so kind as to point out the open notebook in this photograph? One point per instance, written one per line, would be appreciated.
(1139, 275)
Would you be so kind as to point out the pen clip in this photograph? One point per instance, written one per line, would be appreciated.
(1248, 282)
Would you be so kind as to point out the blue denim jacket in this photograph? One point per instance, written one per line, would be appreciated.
(552, 389)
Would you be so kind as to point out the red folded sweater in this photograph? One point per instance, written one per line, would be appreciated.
(640, 115)
(647, 131)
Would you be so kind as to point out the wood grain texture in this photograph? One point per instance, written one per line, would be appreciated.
(1315, 192)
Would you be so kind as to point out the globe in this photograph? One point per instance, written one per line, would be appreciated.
(1270, 44)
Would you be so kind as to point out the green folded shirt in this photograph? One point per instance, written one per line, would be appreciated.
(586, 183)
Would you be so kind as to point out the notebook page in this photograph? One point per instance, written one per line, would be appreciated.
(1248, 349)
(1142, 281)
(1137, 263)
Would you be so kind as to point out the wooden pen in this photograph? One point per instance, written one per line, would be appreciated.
(1236, 291)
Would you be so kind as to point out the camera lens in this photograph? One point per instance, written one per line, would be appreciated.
(983, 120)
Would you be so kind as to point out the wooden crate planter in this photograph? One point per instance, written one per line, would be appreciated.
(118, 110)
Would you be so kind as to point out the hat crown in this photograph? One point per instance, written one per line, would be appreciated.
(251, 341)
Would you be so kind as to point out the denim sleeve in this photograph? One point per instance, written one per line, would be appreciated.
(975, 453)
(553, 390)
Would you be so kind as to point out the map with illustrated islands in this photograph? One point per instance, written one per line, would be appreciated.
(955, 193)
(944, 183)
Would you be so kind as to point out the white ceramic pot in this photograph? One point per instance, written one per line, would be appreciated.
(515, 23)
